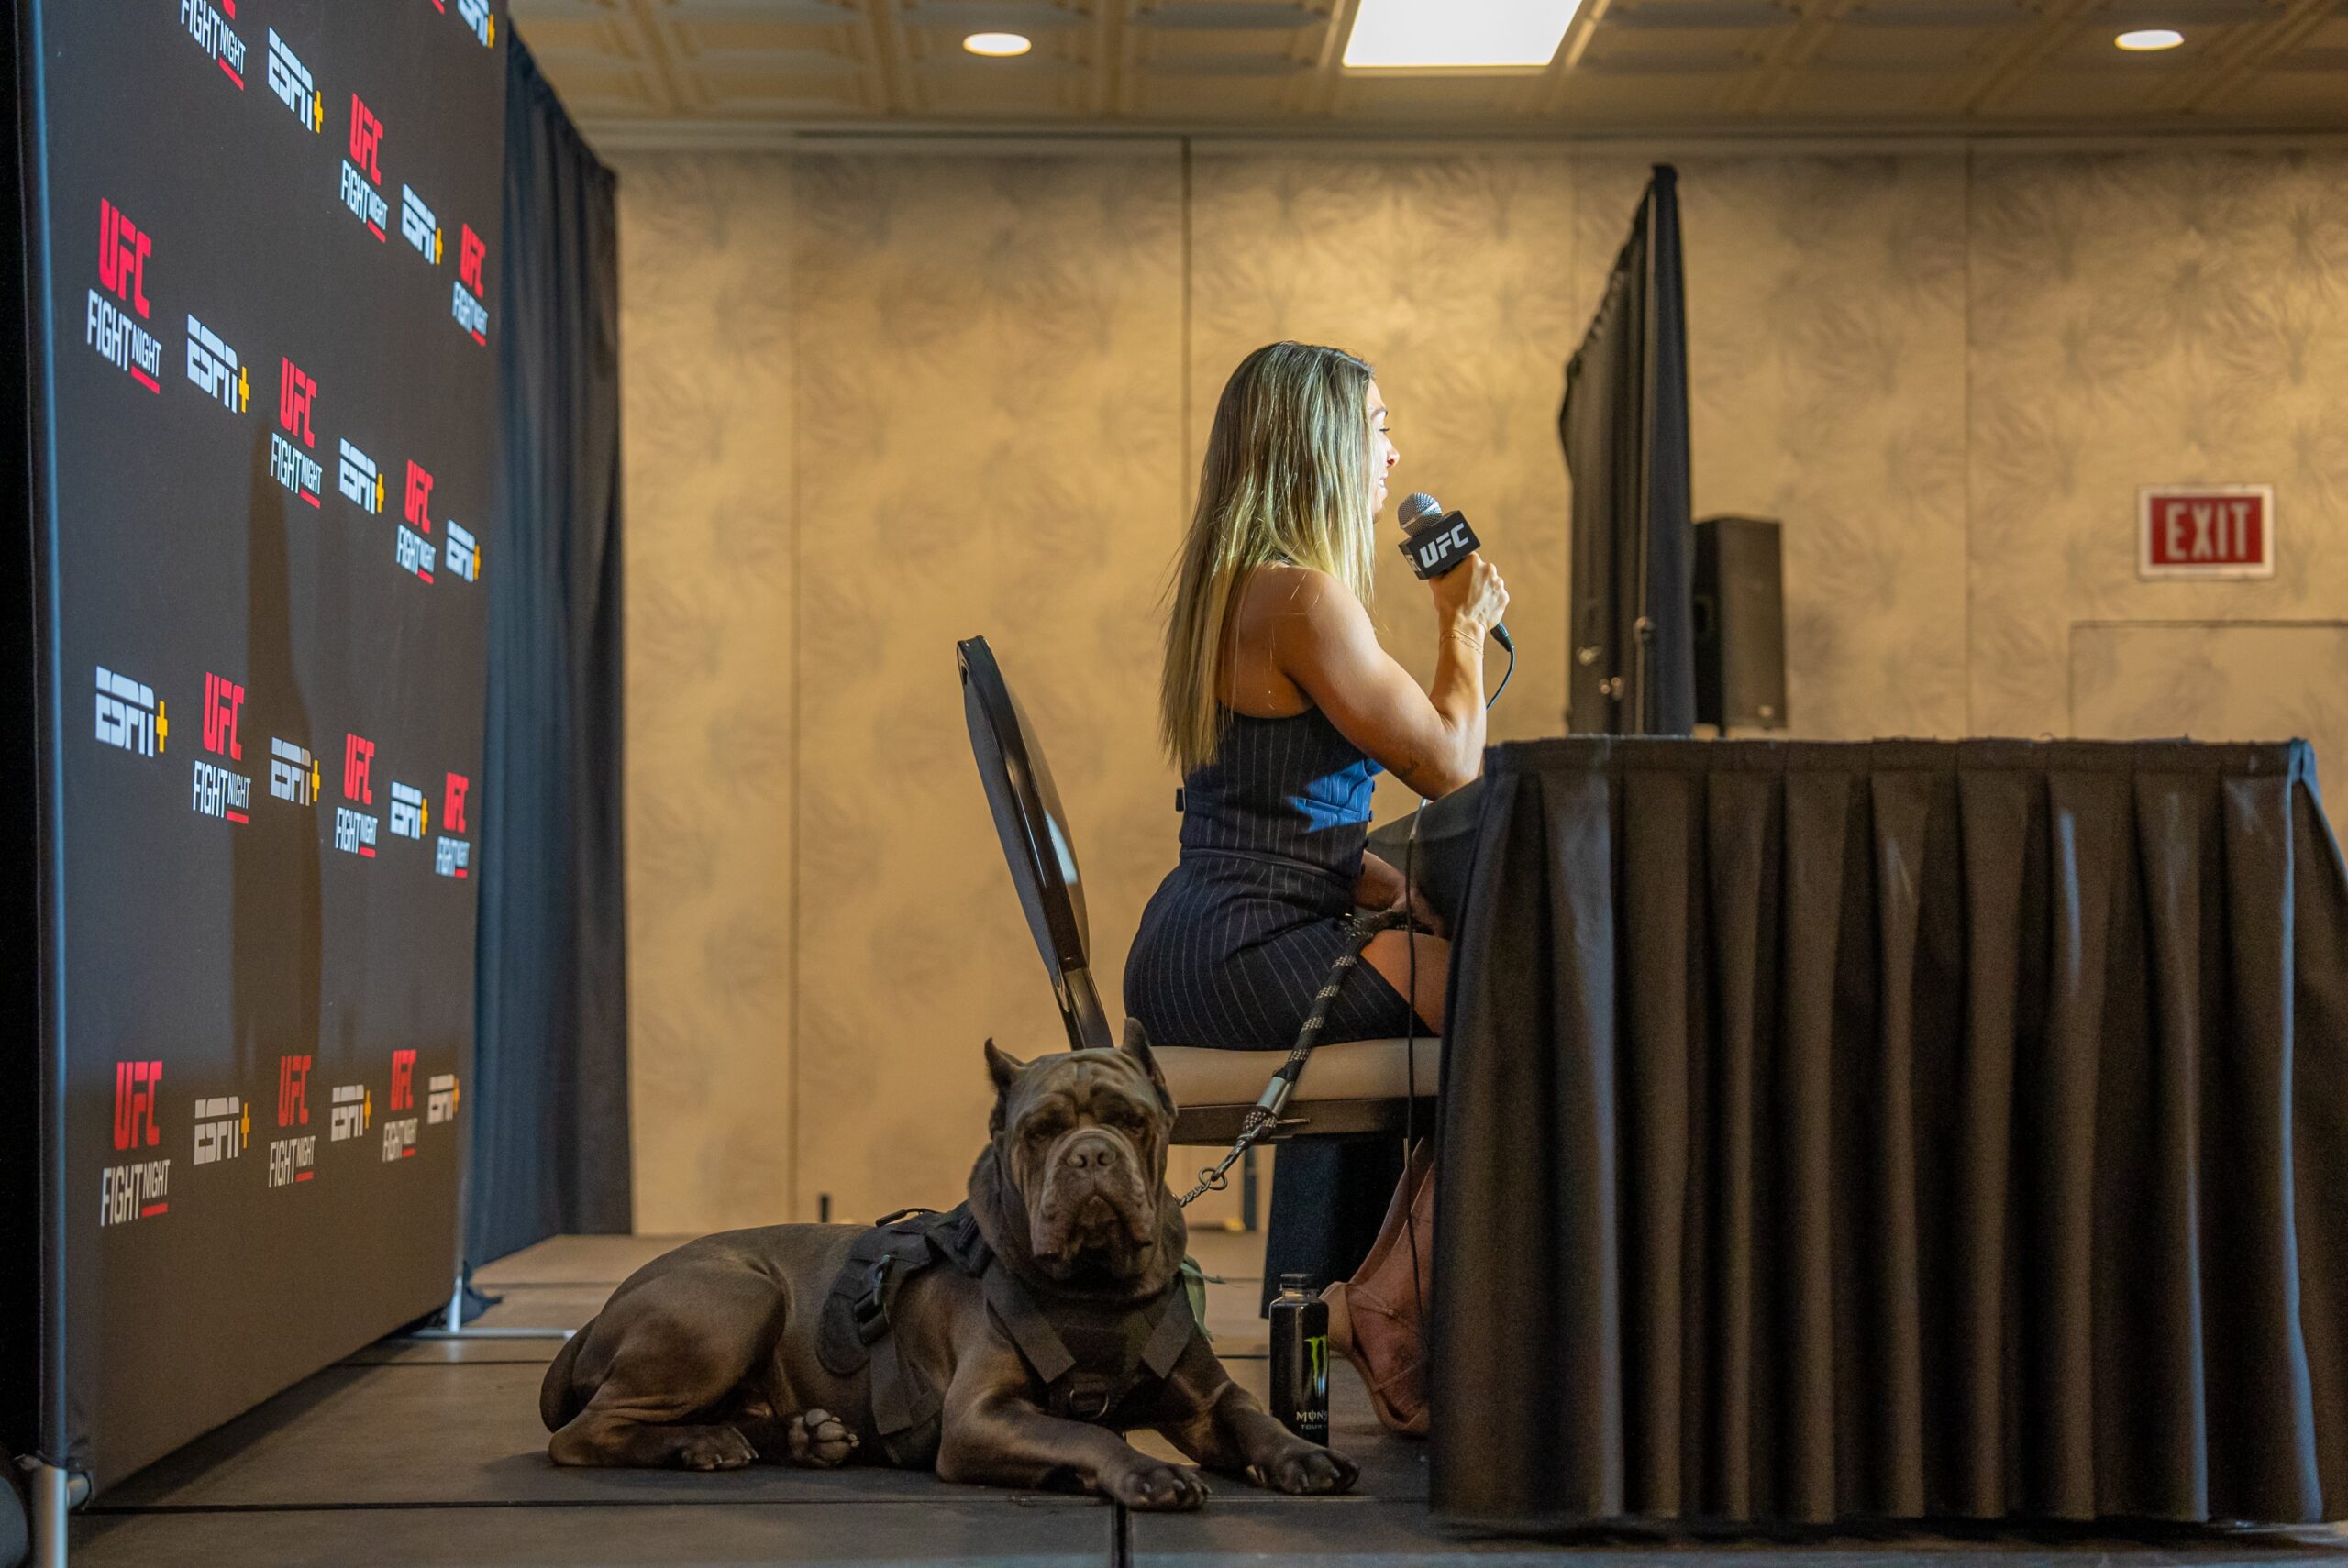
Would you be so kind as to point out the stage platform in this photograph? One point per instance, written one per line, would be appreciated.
(423, 1453)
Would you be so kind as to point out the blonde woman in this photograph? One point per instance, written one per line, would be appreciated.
(1278, 706)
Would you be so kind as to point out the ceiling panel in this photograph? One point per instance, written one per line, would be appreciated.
(725, 68)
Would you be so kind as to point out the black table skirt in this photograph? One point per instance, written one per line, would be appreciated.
(1895, 1131)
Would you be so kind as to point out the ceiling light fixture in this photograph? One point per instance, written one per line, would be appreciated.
(997, 46)
(2146, 38)
(1457, 35)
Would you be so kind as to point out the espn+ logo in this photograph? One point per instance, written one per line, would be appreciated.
(359, 480)
(289, 80)
(215, 369)
(475, 15)
(418, 226)
(129, 716)
(293, 772)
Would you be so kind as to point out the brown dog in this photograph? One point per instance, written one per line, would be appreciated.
(1007, 1343)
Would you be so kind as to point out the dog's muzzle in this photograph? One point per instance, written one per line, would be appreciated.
(1093, 1199)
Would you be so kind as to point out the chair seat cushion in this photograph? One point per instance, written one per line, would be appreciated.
(1351, 1069)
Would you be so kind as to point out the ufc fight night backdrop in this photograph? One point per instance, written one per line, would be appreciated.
(269, 231)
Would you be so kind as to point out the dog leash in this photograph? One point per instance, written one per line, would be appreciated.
(1265, 1114)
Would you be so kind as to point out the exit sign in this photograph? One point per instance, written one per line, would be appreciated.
(2205, 530)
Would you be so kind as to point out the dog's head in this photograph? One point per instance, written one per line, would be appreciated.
(1074, 1180)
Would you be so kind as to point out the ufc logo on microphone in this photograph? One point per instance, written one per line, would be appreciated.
(295, 392)
(366, 139)
(122, 256)
(223, 700)
(134, 1104)
(292, 1091)
(357, 757)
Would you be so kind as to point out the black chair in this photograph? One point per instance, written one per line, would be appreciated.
(1347, 1087)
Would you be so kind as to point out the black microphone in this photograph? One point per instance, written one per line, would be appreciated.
(1438, 541)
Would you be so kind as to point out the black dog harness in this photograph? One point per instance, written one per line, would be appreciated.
(1095, 1363)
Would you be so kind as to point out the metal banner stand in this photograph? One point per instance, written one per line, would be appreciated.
(56, 1494)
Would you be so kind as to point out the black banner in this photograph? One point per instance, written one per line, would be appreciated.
(267, 231)
(1624, 429)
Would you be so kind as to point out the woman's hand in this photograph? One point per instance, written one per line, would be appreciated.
(1379, 886)
(1470, 594)
(1382, 888)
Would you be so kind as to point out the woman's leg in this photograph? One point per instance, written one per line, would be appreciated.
(1329, 1197)
(1392, 953)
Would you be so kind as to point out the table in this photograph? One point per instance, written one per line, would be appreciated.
(1895, 1129)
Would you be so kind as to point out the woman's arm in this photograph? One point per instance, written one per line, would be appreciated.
(1433, 741)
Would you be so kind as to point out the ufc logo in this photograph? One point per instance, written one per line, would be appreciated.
(223, 700)
(358, 756)
(452, 803)
(470, 253)
(419, 497)
(134, 1103)
(295, 392)
(122, 256)
(366, 136)
(292, 1091)
(403, 1080)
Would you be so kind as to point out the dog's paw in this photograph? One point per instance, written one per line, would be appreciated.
(820, 1440)
(715, 1448)
(1154, 1487)
(1309, 1471)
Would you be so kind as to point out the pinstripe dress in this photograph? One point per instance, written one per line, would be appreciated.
(1243, 931)
(1240, 935)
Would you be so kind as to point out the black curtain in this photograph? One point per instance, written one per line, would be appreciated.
(550, 1147)
(1625, 425)
(1895, 1129)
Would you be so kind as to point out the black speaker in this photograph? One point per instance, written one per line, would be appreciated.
(1740, 624)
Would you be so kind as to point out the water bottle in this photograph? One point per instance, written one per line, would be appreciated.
(1301, 1359)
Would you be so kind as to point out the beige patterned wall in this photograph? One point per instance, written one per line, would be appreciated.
(705, 327)
(1826, 381)
(2147, 320)
(988, 416)
(949, 385)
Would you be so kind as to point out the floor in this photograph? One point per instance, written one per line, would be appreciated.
(420, 1453)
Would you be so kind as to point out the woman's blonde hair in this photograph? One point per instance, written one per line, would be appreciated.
(1285, 477)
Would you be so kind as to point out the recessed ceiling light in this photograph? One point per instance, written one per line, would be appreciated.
(998, 46)
(2150, 38)
(1457, 35)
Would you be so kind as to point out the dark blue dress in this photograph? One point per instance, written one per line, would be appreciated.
(1242, 933)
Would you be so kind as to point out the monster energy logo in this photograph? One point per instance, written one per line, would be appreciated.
(1317, 1347)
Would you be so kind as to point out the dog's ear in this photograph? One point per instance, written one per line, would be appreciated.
(1002, 1067)
(1136, 1045)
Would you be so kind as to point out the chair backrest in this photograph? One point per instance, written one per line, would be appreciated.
(1036, 840)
